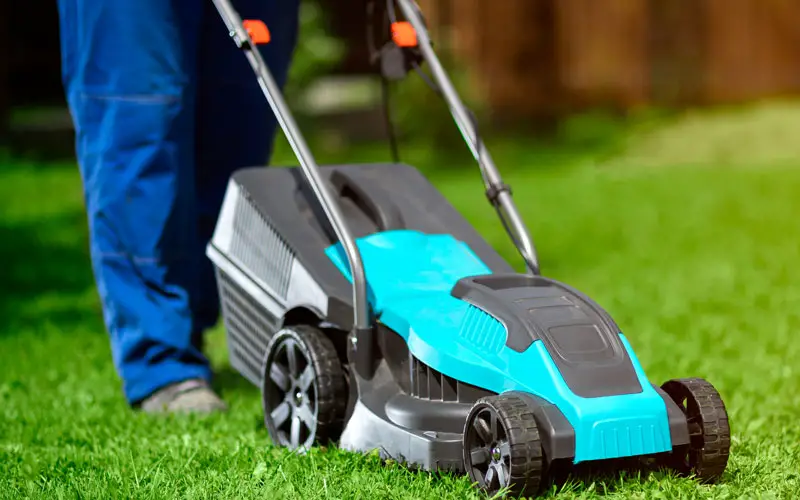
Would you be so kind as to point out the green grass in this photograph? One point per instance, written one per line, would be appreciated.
(699, 264)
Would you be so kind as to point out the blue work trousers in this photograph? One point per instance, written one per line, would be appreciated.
(165, 108)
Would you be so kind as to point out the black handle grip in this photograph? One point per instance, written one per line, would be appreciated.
(363, 194)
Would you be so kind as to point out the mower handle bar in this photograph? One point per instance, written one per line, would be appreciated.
(507, 210)
(308, 165)
(502, 199)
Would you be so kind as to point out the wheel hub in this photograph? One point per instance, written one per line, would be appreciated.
(492, 454)
(298, 398)
(292, 401)
(296, 358)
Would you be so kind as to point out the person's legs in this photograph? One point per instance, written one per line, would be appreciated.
(129, 70)
(235, 125)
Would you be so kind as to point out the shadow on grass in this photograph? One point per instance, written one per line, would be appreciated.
(226, 379)
(48, 257)
(605, 479)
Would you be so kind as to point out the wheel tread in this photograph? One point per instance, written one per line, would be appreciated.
(527, 458)
(713, 458)
(331, 388)
(329, 380)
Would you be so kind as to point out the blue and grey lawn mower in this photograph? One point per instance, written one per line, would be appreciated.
(372, 314)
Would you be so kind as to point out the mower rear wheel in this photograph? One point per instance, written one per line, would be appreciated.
(706, 456)
(304, 393)
(502, 447)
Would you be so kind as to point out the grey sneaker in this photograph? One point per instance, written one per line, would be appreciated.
(189, 396)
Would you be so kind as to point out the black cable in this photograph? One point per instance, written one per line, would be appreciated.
(492, 190)
(427, 79)
(385, 98)
(390, 11)
(387, 114)
(479, 146)
(371, 48)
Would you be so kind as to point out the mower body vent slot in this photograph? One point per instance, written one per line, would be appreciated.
(249, 328)
(483, 330)
(259, 249)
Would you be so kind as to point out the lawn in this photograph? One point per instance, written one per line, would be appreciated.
(696, 256)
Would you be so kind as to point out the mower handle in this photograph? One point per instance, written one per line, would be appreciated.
(498, 193)
(240, 35)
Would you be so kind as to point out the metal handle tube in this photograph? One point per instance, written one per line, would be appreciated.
(307, 163)
(522, 239)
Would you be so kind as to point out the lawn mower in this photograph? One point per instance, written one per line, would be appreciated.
(372, 315)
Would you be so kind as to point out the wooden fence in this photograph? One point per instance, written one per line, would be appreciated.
(534, 57)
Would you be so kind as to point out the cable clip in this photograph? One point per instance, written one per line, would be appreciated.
(493, 192)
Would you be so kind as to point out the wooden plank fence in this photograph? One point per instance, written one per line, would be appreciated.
(537, 57)
(530, 58)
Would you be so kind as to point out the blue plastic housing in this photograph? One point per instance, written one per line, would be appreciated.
(411, 275)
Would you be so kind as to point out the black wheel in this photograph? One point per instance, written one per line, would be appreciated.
(710, 435)
(502, 448)
(304, 393)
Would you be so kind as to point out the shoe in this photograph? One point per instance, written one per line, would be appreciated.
(189, 396)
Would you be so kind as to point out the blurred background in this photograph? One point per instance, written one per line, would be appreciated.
(523, 64)
(653, 148)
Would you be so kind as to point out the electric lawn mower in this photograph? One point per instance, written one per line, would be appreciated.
(373, 315)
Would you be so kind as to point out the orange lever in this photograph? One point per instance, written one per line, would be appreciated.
(403, 34)
(258, 31)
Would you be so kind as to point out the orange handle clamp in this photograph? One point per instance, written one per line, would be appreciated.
(258, 31)
(404, 35)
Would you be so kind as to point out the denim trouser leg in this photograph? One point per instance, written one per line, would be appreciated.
(165, 108)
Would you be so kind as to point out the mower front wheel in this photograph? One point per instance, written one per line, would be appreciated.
(304, 393)
(706, 456)
(502, 447)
